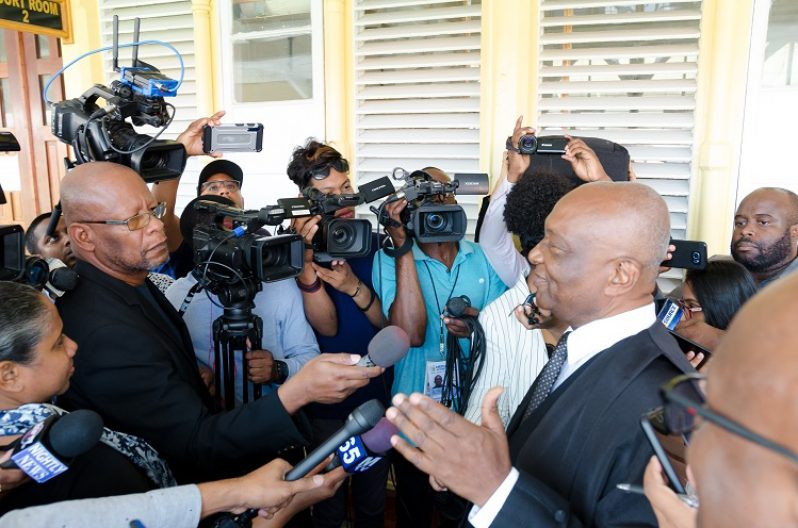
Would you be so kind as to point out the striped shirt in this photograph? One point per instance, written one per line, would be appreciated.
(513, 355)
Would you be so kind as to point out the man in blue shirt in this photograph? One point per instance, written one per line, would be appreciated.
(414, 287)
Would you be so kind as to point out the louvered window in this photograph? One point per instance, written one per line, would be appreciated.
(417, 66)
(169, 21)
(625, 71)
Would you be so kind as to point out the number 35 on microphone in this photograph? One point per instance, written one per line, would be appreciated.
(354, 456)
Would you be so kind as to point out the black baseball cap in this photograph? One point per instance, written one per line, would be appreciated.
(220, 166)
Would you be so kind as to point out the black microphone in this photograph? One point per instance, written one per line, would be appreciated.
(359, 453)
(363, 418)
(53, 223)
(46, 449)
(387, 347)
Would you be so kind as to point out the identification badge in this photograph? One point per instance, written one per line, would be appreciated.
(433, 385)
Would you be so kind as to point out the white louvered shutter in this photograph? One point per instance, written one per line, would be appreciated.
(169, 21)
(625, 70)
(417, 67)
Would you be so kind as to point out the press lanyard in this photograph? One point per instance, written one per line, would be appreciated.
(442, 342)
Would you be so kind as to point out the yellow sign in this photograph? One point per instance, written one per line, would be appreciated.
(44, 17)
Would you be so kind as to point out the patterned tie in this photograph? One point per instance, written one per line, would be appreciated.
(551, 371)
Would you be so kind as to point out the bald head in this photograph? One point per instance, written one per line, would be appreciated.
(630, 219)
(783, 199)
(97, 188)
(752, 379)
(602, 248)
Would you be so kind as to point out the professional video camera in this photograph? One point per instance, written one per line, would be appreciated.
(228, 247)
(427, 217)
(338, 237)
(103, 134)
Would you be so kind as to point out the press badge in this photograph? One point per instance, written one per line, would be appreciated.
(433, 384)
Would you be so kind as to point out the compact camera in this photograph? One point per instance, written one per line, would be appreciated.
(240, 137)
(531, 144)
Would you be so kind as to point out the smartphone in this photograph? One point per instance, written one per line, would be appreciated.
(691, 346)
(689, 254)
(240, 137)
(662, 456)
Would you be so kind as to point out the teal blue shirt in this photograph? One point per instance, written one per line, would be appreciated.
(471, 275)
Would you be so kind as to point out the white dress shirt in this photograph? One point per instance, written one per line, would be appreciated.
(584, 343)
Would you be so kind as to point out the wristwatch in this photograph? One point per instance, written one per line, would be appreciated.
(279, 371)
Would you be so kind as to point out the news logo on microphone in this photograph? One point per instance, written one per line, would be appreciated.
(35, 459)
(354, 456)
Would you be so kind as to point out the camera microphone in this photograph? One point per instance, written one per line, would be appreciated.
(387, 347)
(45, 449)
(359, 453)
(61, 278)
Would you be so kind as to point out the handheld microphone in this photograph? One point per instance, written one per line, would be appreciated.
(359, 453)
(363, 418)
(387, 347)
(45, 449)
(54, 218)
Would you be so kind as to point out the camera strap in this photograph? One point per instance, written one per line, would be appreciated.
(189, 297)
(401, 250)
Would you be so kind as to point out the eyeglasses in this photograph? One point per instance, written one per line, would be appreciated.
(680, 411)
(135, 222)
(321, 171)
(688, 308)
(230, 186)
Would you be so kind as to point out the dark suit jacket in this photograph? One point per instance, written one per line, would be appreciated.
(586, 438)
(137, 369)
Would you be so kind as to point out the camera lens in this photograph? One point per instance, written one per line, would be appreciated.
(528, 144)
(434, 222)
(341, 235)
(696, 257)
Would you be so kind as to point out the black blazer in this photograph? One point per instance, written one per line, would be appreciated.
(137, 369)
(586, 438)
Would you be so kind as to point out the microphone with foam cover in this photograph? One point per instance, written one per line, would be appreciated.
(61, 279)
(46, 449)
(387, 347)
(359, 453)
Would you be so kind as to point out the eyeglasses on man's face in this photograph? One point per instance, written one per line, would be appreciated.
(135, 222)
(681, 415)
(218, 186)
(322, 170)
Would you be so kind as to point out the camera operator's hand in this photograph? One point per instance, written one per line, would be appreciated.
(191, 138)
(327, 378)
(306, 227)
(339, 276)
(584, 161)
(394, 210)
(206, 373)
(260, 366)
(518, 163)
(457, 326)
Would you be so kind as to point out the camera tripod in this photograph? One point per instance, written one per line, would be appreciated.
(231, 331)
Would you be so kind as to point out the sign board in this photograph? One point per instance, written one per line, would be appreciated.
(44, 17)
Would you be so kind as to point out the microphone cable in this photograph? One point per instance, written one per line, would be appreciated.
(462, 371)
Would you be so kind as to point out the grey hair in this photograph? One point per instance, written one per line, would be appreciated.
(23, 321)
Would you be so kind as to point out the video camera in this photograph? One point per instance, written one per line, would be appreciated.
(228, 247)
(103, 133)
(427, 217)
(337, 237)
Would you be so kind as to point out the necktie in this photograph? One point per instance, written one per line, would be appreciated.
(551, 371)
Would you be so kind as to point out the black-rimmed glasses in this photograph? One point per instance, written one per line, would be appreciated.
(680, 412)
(321, 171)
(135, 222)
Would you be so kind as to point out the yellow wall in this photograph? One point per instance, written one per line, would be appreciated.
(85, 37)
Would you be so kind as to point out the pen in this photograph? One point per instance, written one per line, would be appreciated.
(691, 501)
